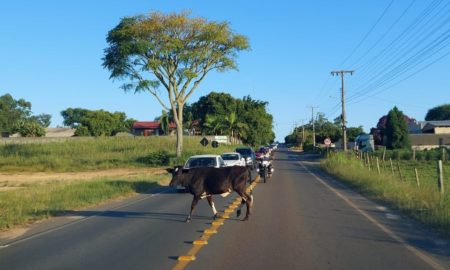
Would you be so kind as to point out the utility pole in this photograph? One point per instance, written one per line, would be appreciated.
(343, 117)
(313, 126)
(303, 133)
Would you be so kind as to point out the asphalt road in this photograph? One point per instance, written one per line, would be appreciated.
(302, 219)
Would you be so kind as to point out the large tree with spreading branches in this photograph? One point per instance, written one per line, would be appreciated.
(173, 52)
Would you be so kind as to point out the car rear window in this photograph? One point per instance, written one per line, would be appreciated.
(230, 157)
(201, 162)
(244, 151)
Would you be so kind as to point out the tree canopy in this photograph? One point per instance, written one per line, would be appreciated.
(16, 116)
(379, 133)
(396, 130)
(323, 129)
(96, 122)
(245, 119)
(437, 113)
(174, 51)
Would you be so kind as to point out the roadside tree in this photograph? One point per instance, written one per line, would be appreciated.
(96, 122)
(16, 116)
(172, 50)
(396, 130)
(441, 112)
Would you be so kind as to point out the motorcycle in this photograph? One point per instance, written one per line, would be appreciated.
(265, 168)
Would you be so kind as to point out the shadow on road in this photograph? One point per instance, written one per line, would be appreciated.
(174, 217)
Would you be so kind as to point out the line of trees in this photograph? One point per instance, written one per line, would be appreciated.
(96, 122)
(324, 128)
(16, 117)
(243, 119)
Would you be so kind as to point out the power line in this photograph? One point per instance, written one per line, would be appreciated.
(367, 34)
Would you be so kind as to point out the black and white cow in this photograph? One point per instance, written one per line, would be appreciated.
(205, 182)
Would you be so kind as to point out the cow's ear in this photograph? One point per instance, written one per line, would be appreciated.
(185, 170)
(169, 170)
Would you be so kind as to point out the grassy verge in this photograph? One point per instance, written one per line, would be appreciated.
(424, 203)
(83, 154)
(40, 201)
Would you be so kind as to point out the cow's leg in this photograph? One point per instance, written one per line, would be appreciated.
(193, 204)
(249, 203)
(248, 199)
(238, 212)
(213, 207)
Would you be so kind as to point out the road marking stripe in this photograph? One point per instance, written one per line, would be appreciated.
(186, 258)
(182, 263)
(200, 242)
(209, 231)
(427, 259)
(217, 223)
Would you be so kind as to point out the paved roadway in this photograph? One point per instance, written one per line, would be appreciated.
(302, 219)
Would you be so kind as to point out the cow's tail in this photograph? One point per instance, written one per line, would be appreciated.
(250, 180)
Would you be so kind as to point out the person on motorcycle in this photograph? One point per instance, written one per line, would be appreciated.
(266, 157)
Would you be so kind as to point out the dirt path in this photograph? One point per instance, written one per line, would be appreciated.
(15, 180)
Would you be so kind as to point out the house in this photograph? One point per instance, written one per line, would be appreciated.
(429, 141)
(437, 127)
(150, 128)
(430, 134)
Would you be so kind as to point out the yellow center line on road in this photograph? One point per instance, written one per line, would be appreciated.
(197, 245)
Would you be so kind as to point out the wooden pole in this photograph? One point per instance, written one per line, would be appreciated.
(384, 153)
(368, 160)
(417, 177)
(378, 166)
(440, 177)
(414, 154)
(399, 171)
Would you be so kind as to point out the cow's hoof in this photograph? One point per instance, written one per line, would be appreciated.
(238, 213)
(188, 220)
(215, 216)
(245, 219)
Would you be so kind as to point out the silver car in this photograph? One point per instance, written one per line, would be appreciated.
(233, 159)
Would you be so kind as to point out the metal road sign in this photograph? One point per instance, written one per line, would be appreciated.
(204, 141)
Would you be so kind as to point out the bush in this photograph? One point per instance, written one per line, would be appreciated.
(30, 128)
(82, 131)
(159, 158)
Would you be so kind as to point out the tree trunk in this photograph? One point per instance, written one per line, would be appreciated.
(179, 139)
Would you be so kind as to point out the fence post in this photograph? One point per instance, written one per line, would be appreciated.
(399, 171)
(440, 177)
(384, 153)
(443, 154)
(378, 166)
(414, 154)
(368, 160)
(417, 177)
(392, 166)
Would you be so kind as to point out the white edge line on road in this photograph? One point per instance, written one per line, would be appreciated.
(79, 220)
(427, 259)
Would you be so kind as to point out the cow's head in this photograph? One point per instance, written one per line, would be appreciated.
(177, 175)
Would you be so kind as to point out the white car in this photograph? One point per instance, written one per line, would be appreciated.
(200, 161)
(215, 161)
(233, 159)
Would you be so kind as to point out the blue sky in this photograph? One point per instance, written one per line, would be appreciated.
(50, 55)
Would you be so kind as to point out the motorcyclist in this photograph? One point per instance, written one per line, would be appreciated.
(265, 156)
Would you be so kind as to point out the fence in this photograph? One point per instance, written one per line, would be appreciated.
(421, 173)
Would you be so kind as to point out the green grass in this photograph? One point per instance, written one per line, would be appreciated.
(83, 154)
(424, 203)
(40, 201)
